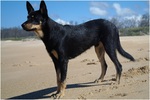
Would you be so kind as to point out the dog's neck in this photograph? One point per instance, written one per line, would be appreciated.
(48, 34)
(50, 25)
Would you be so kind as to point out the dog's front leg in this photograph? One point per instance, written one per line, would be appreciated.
(61, 73)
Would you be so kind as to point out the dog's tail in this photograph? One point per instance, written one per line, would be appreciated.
(123, 52)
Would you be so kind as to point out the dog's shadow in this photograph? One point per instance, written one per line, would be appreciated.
(41, 94)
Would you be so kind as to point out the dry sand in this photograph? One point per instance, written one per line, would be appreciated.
(28, 72)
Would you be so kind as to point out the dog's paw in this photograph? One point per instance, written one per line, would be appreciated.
(113, 79)
(98, 81)
(57, 96)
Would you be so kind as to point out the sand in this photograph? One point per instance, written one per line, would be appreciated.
(27, 72)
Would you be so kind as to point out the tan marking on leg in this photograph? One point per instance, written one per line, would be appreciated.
(62, 89)
(61, 85)
(100, 51)
(55, 54)
(58, 80)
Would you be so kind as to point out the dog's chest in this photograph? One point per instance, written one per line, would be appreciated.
(39, 33)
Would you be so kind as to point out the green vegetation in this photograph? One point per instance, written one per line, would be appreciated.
(134, 31)
(15, 33)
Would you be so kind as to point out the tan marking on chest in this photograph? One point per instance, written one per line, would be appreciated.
(38, 30)
(39, 33)
(55, 54)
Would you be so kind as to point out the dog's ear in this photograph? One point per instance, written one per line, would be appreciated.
(43, 9)
(29, 7)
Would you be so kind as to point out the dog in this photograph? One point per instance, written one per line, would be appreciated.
(65, 42)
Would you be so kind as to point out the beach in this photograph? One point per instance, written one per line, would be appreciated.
(27, 72)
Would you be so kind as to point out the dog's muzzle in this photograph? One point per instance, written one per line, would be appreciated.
(27, 26)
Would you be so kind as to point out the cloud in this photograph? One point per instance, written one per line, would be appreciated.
(55, 16)
(99, 8)
(97, 11)
(122, 11)
(102, 5)
(136, 17)
(60, 21)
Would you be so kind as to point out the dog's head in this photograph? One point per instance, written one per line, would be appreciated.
(35, 19)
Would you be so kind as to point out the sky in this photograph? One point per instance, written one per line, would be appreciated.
(14, 13)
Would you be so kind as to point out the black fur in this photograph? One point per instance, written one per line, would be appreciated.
(69, 41)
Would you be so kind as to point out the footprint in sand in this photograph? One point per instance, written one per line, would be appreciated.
(85, 60)
(140, 49)
(30, 64)
(142, 59)
(119, 94)
(136, 71)
(16, 65)
(89, 62)
(82, 97)
(27, 62)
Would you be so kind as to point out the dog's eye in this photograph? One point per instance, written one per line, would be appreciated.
(40, 22)
(32, 16)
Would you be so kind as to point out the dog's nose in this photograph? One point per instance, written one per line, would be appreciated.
(23, 25)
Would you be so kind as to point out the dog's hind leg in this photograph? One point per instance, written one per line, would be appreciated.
(110, 49)
(100, 51)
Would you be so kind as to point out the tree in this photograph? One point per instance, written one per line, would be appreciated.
(15, 33)
(116, 22)
(129, 23)
(145, 20)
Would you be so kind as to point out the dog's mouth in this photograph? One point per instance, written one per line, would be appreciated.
(28, 27)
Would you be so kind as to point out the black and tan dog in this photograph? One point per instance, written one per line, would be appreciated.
(64, 42)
